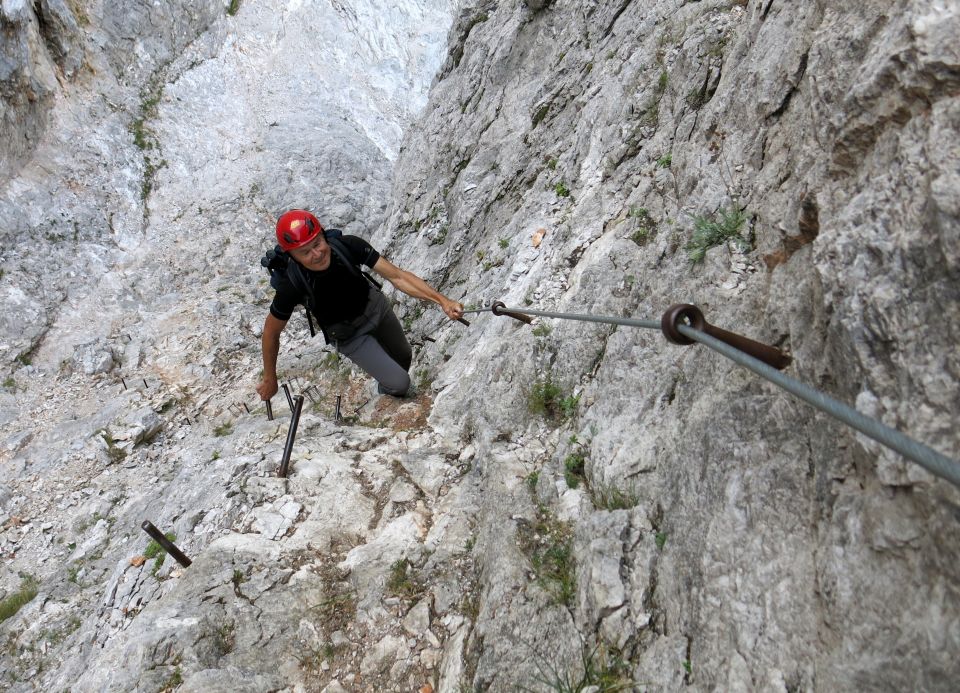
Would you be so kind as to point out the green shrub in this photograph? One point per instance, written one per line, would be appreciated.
(547, 399)
(544, 399)
(711, 231)
(573, 469)
(568, 405)
(538, 117)
(532, 479)
(662, 82)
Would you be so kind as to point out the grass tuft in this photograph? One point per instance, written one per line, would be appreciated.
(10, 605)
(611, 498)
(401, 582)
(548, 544)
(600, 671)
(157, 552)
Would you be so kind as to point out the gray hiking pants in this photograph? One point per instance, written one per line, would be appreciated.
(379, 346)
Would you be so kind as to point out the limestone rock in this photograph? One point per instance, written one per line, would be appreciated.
(383, 655)
(417, 620)
(568, 490)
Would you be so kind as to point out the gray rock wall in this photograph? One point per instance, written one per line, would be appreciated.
(28, 74)
(791, 548)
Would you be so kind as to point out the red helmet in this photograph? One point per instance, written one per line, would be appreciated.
(296, 228)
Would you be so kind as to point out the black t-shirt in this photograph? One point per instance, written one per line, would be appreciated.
(340, 294)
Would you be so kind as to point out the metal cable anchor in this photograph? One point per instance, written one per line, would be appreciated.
(685, 311)
(291, 436)
(167, 545)
(286, 391)
(499, 308)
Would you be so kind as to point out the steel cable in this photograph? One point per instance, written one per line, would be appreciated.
(928, 458)
(582, 317)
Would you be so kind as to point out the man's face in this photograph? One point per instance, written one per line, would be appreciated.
(315, 255)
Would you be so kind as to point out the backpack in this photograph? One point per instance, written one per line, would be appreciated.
(281, 266)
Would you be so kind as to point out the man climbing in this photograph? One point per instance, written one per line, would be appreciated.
(323, 274)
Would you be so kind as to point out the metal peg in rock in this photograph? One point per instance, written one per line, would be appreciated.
(167, 545)
(291, 436)
(286, 391)
(499, 308)
(269, 410)
(679, 312)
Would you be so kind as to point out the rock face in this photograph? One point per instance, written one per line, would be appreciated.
(561, 506)
(767, 544)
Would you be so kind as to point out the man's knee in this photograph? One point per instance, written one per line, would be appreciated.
(397, 385)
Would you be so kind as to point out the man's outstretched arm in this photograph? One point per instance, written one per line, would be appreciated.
(412, 285)
(270, 343)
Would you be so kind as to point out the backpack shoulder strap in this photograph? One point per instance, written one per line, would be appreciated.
(335, 240)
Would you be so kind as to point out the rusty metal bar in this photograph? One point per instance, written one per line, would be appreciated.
(499, 308)
(679, 312)
(167, 545)
(291, 436)
(337, 416)
(286, 391)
